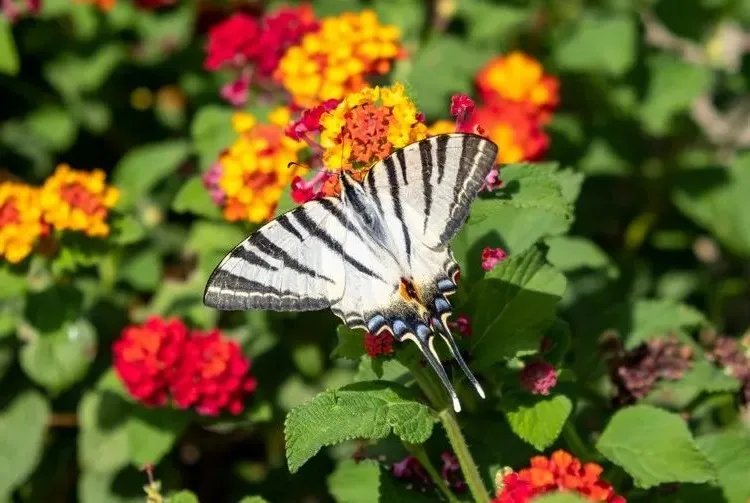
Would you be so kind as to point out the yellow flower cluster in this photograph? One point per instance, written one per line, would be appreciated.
(333, 61)
(367, 126)
(20, 220)
(78, 201)
(255, 169)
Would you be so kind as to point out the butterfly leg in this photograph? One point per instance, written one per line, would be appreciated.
(442, 329)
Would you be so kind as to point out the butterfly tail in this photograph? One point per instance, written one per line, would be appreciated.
(445, 334)
(424, 338)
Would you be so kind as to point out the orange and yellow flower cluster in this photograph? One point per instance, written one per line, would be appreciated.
(250, 176)
(69, 200)
(335, 60)
(560, 472)
(21, 223)
(518, 100)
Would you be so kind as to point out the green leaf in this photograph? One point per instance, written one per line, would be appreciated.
(491, 23)
(537, 419)
(153, 432)
(143, 270)
(513, 306)
(127, 230)
(57, 360)
(253, 499)
(144, 167)
(9, 63)
(714, 198)
(112, 487)
(703, 377)
(211, 132)
(727, 452)
(350, 343)
(654, 447)
(531, 206)
(194, 198)
(13, 280)
(73, 74)
(368, 482)
(409, 17)
(599, 43)
(442, 67)
(182, 497)
(369, 410)
(674, 85)
(23, 425)
(572, 253)
(205, 237)
(54, 126)
(102, 437)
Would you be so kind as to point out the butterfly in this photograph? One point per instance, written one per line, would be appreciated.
(378, 256)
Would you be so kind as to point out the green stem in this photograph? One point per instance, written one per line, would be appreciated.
(575, 442)
(434, 392)
(419, 452)
(468, 466)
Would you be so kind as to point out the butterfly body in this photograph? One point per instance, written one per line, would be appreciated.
(378, 256)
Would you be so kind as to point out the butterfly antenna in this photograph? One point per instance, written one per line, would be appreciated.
(445, 333)
(424, 340)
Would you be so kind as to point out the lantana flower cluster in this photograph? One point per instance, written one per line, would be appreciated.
(164, 361)
(250, 176)
(559, 472)
(69, 200)
(313, 60)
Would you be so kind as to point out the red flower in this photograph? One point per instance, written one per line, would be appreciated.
(234, 41)
(236, 92)
(145, 358)
(491, 257)
(560, 472)
(310, 120)
(162, 359)
(462, 109)
(213, 375)
(282, 29)
(538, 377)
(462, 325)
(516, 130)
(377, 345)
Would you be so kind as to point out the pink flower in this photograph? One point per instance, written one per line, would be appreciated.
(491, 257)
(451, 472)
(538, 377)
(310, 120)
(301, 190)
(237, 91)
(211, 182)
(462, 325)
(462, 109)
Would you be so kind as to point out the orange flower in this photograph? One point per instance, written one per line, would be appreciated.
(366, 127)
(78, 201)
(104, 5)
(20, 220)
(252, 173)
(518, 134)
(519, 78)
(334, 60)
(560, 472)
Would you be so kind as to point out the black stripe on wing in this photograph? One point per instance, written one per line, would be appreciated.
(228, 291)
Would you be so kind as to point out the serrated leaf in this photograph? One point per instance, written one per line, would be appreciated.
(57, 360)
(538, 420)
(153, 432)
(654, 447)
(673, 86)
(599, 43)
(727, 452)
(194, 198)
(571, 253)
(9, 62)
(513, 306)
(102, 437)
(349, 343)
(142, 168)
(211, 132)
(703, 377)
(714, 199)
(370, 410)
(367, 482)
(23, 425)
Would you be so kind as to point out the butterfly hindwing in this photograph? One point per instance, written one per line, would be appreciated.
(293, 263)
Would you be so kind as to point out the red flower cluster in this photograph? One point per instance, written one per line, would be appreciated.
(462, 325)
(560, 472)
(163, 358)
(491, 257)
(254, 46)
(378, 345)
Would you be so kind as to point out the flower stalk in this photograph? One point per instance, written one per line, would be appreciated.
(418, 451)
